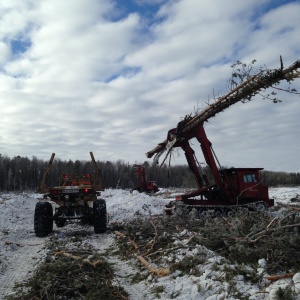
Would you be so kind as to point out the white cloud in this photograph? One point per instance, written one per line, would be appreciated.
(276, 34)
(91, 77)
(4, 52)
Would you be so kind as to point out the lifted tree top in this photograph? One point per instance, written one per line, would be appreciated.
(245, 91)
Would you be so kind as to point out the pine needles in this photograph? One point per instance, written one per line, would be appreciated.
(70, 274)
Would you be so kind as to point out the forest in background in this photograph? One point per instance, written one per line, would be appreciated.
(19, 174)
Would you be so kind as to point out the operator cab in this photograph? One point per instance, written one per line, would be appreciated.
(246, 184)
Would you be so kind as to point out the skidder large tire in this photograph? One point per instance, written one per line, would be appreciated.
(99, 216)
(43, 219)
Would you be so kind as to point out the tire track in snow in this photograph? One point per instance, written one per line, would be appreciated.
(122, 269)
(124, 273)
(21, 261)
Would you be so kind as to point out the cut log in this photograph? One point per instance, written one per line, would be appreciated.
(78, 258)
(277, 277)
(157, 271)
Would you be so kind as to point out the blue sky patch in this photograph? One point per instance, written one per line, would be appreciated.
(127, 72)
(19, 46)
(146, 9)
(270, 5)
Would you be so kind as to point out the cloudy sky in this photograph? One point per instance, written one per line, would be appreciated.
(113, 76)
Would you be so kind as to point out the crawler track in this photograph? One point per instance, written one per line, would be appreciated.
(177, 207)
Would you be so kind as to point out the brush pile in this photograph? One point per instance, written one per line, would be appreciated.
(242, 239)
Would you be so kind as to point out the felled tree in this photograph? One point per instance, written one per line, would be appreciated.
(244, 85)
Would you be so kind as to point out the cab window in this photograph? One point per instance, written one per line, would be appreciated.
(249, 178)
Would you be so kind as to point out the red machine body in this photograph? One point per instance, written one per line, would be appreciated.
(231, 187)
(235, 186)
(144, 185)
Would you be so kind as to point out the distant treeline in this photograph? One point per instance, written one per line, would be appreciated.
(20, 174)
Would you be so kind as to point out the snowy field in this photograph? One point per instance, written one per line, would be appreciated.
(21, 251)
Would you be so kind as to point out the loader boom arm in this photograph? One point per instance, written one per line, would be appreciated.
(42, 185)
(98, 173)
(183, 142)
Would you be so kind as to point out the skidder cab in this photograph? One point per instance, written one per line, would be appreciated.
(75, 198)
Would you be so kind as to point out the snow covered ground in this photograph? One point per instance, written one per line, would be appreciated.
(21, 251)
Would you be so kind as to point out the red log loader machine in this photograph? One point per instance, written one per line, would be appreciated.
(75, 198)
(145, 186)
(232, 188)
